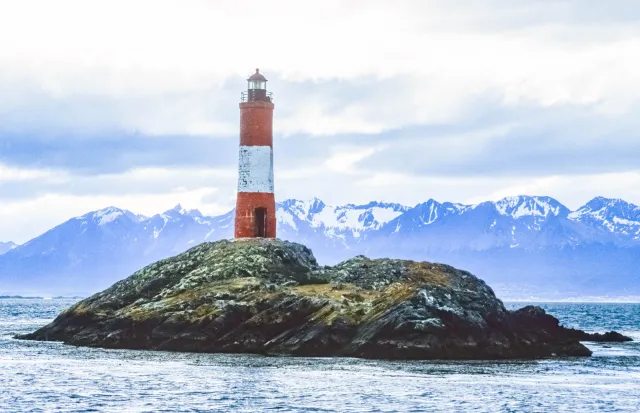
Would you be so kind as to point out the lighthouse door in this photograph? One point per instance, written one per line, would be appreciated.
(261, 222)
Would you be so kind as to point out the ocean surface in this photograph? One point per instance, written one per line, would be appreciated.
(52, 377)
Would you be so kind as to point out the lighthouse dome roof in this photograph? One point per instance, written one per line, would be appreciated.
(257, 76)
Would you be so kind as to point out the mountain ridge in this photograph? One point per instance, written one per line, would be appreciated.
(535, 236)
(7, 246)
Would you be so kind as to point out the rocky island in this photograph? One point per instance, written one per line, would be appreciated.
(271, 297)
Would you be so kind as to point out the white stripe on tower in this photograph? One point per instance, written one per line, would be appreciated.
(255, 169)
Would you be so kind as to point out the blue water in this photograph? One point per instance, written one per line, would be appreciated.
(52, 377)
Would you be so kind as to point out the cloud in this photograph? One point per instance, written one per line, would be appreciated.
(112, 152)
(164, 67)
(565, 140)
(345, 160)
(135, 103)
(10, 174)
(142, 181)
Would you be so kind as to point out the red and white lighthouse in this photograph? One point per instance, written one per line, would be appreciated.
(256, 205)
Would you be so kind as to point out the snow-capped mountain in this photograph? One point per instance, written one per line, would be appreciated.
(522, 243)
(90, 252)
(614, 215)
(7, 246)
(329, 228)
(531, 206)
(337, 220)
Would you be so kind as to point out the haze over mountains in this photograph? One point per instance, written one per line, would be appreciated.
(521, 246)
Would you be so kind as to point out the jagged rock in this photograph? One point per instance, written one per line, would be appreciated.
(609, 337)
(271, 297)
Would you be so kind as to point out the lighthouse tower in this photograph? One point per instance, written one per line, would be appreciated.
(256, 206)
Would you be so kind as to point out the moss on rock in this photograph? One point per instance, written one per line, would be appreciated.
(272, 297)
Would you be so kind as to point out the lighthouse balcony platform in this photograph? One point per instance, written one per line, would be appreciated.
(253, 96)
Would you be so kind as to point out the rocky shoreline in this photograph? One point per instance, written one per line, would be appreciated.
(271, 297)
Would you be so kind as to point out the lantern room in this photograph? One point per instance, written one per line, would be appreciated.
(256, 89)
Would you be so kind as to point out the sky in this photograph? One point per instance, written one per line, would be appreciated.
(135, 104)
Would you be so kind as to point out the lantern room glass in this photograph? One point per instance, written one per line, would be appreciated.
(257, 84)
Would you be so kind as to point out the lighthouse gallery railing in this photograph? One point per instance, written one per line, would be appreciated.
(244, 96)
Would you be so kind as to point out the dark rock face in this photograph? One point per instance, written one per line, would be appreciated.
(271, 297)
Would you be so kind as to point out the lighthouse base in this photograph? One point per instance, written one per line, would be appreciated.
(255, 215)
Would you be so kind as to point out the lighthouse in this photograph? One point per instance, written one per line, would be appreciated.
(256, 205)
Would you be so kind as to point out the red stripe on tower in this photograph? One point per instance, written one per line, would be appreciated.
(256, 205)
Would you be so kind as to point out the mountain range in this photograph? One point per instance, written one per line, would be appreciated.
(523, 246)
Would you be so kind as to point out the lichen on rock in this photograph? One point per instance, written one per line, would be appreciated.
(271, 297)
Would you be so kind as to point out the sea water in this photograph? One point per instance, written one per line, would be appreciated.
(53, 377)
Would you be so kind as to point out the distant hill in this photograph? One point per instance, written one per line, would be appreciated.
(521, 245)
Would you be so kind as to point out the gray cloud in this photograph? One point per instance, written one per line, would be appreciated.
(537, 142)
(113, 152)
(494, 142)
(151, 183)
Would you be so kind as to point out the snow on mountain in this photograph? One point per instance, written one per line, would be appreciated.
(7, 246)
(615, 215)
(106, 215)
(337, 220)
(515, 222)
(425, 214)
(514, 239)
(527, 206)
(179, 211)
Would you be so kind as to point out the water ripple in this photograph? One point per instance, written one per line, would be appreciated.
(38, 377)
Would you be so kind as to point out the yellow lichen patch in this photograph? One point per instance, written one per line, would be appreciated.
(391, 296)
(82, 309)
(328, 314)
(233, 285)
(398, 292)
(78, 309)
(333, 292)
(353, 314)
(138, 314)
(263, 295)
(237, 284)
(325, 315)
(424, 272)
(348, 302)
(206, 310)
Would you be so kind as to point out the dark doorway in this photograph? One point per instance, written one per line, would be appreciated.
(261, 222)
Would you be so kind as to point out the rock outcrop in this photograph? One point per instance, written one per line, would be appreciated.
(271, 297)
